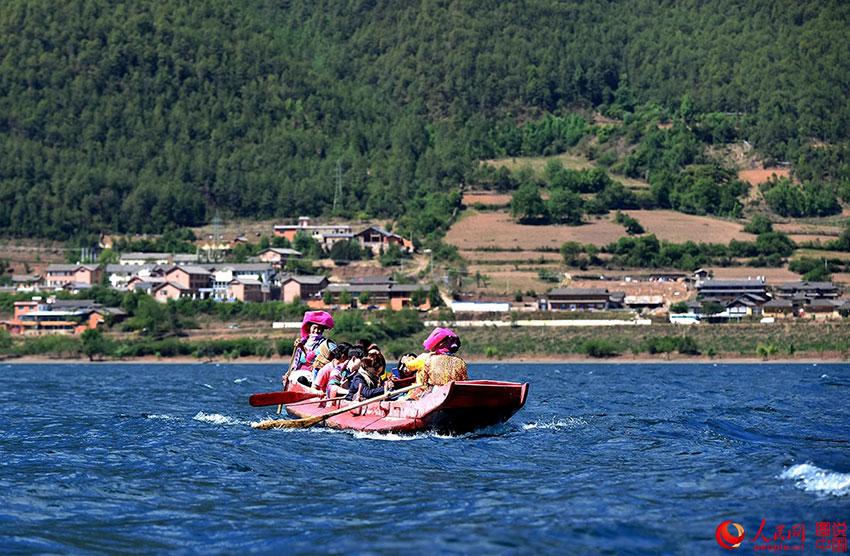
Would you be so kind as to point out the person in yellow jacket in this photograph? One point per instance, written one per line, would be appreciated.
(440, 364)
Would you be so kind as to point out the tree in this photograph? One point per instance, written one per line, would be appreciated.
(564, 207)
(418, 297)
(364, 297)
(94, 343)
(527, 205)
(679, 307)
(759, 224)
(570, 250)
(434, 297)
(342, 252)
(392, 256)
(345, 297)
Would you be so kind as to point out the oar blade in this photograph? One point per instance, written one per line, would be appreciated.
(288, 423)
(277, 398)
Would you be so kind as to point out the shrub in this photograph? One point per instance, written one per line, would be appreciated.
(601, 348)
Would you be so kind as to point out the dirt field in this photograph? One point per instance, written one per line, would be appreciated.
(497, 229)
(31, 254)
(487, 199)
(773, 276)
(755, 177)
(678, 227)
(538, 163)
(518, 256)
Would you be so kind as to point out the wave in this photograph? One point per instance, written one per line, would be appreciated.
(812, 478)
(240, 380)
(218, 419)
(389, 436)
(569, 423)
(157, 416)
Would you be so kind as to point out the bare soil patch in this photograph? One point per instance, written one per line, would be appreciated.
(538, 163)
(677, 227)
(497, 229)
(31, 255)
(755, 177)
(773, 276)
(519, 256)
(671, 291)
(487, 198)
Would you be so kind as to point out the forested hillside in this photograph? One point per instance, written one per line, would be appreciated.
(134, 117)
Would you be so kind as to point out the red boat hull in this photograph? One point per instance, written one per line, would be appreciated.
(454, 408)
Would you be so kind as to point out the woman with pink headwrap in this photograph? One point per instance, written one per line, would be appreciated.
(312, 349)
(440, 364)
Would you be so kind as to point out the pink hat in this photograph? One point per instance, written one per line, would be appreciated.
(437, 336)
(315, 317)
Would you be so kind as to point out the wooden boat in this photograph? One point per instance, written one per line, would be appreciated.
(453, 408)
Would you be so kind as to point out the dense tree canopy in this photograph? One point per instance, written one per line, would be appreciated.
(137, 117)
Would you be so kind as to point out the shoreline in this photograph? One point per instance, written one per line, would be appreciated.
(529, 360)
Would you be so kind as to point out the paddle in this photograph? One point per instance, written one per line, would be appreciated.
(291, 363)
(277, 398)
(310, 421)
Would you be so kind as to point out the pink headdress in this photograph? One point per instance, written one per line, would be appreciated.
(437, 336)
(315, 317)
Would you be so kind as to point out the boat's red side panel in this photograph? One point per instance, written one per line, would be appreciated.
(457, 407)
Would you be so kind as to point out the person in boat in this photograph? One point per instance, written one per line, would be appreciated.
(340, 377)
(375, 352)
(339, 359)
(366, 382)
(400, 371)
(312, 349)
(440, 364)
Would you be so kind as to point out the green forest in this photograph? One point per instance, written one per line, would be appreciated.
(151, 116)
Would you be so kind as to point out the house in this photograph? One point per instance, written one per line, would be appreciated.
(183, 259)
(701, 275)
(27, 282)
(57, 275)
(807, 290)
(163, 291)
(371, 280)
(822, 309)
(277, 256)
(302, 287)
(744, 306)
(64, 317)
(392, 296)
(639, 302)
(317, 232)
(139, 258)
(144, 283)
(378, 240)
(223, 274)
(727, 290)
(576, 299)
(779, 308)
(245, 289)
(76, 287)
(119, 275)
(193, 279)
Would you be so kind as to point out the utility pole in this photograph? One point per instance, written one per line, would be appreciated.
(338, 188)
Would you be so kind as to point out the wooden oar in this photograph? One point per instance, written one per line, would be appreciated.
(286, 376)
(310, 421)
(316, 400)
(277, 398)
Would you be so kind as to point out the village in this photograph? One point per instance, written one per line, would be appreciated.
(684, 298)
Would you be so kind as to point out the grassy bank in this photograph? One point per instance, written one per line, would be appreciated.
(662, 341)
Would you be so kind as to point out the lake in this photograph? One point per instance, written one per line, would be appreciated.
(617, 458)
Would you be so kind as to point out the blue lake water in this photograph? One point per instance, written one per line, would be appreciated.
(614, 458)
